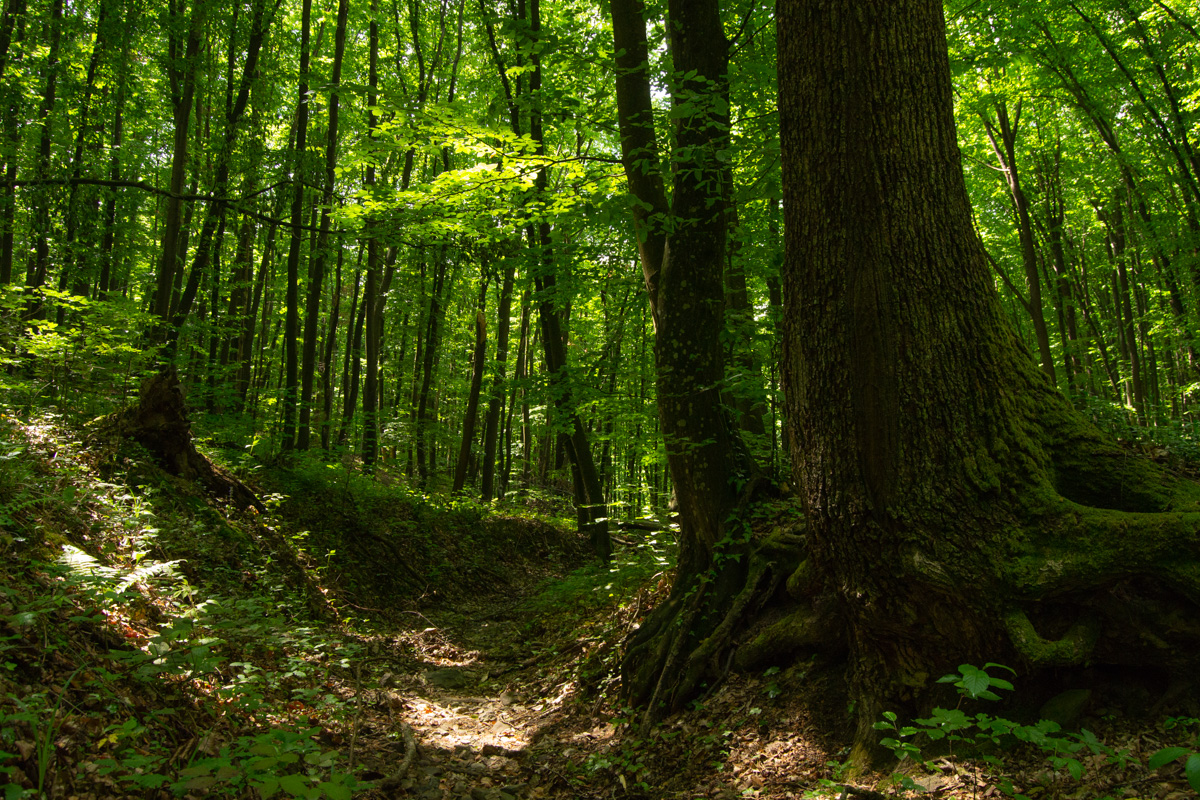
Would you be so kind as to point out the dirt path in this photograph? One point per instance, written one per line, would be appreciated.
(497, 714)
(480, 697)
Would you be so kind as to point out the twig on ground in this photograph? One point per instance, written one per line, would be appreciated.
(392, 781)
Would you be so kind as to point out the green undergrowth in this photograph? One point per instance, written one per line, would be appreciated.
(993, 754)
(595, 586)
(590, 611)
(148, 645)
(155, 643)
(380, 547)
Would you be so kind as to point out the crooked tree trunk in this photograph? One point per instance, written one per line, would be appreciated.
(957, 507)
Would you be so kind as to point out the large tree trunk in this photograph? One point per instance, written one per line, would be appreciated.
(957, 508)
(956, 503)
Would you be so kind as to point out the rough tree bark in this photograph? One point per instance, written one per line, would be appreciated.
(712, 472)
(956, 504)
(957, 507)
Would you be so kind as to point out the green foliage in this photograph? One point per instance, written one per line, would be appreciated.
(1190, 756)
(983, 734)
(595, 585)
(264, 671)
(187, 648)
(89, 365)
(973, 682)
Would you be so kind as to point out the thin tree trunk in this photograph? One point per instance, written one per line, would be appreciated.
(1003, 136)
(316, 275)
(554, 347)
(40, 215)
(496, 395)
(353, 361)
(639, 146)
(12, 144)
(292, 326)
(370, 438)
(181, 72)
(478, 361)
(330, 342)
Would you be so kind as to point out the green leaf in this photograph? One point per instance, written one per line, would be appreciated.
(201, 783)
(1166, 756)
(975, 680)
(1192, 770)
(296, 785)
(335, 791)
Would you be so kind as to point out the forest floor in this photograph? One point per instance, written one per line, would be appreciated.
(359, 641)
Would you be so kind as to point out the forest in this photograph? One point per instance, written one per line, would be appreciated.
(599, 398)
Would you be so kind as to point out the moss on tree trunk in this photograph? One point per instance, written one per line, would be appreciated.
(957, 509)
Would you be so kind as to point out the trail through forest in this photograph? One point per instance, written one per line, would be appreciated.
(156, 644)
(498, 715)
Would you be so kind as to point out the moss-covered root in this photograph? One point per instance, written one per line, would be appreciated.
(681, 647)
(1074, 648)
(1080, 549)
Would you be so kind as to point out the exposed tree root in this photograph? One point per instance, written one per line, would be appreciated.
(690, 639)
(1074, 647)
(1084, 586)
